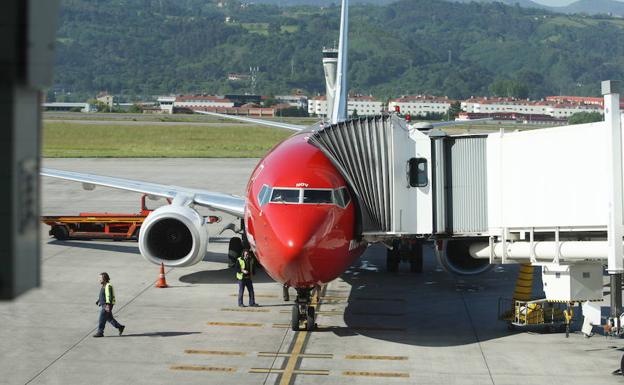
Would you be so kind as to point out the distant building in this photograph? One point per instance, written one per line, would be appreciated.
(575, 100)
(317, 106)
(365, 106)
(513, 117)
(201, 102)
(299, 101)
(56, 106)
(166, 103)
(495, 105)
(421, 105)
(565, 110)
(239, 100)
(108, 100)
(543, 107)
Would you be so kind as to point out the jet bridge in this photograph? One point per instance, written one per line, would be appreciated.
(550, 197)
(408, 182)
(387, 166)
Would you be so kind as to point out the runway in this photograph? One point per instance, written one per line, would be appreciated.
(374, 327)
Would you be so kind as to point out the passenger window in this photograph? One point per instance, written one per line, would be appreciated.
(317, 196)
(263, 195)
(285, 196)
(418, 172)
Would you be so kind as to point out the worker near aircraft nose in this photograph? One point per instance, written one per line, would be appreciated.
(245, 270)
(106, 301)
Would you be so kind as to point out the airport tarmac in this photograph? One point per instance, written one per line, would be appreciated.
(374, 327)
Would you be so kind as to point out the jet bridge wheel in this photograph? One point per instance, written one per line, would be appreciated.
(416, 258)
(393, 259)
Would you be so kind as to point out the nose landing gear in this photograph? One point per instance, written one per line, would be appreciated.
(303, 311)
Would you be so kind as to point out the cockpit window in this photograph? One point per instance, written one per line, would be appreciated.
(263, 195)
(285, 195)
(339, 197)
(342, 197)
(317, 196)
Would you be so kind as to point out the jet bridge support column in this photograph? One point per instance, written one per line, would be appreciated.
(611, 92)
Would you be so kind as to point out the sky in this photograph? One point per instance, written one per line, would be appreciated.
(557, 3)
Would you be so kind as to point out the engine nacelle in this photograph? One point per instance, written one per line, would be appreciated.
(174, 235)
(455, 258)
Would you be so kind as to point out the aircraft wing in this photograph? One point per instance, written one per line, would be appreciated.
(270, 123)
(226, 203)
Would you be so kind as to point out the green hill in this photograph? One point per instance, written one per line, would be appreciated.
(150, 47)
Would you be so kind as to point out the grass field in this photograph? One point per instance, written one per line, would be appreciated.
(76, 140)
(147, 139)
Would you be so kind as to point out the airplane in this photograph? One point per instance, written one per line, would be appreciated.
(297, 217)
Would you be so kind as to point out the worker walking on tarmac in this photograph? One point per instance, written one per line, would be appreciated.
(245, 270)
(106, 301)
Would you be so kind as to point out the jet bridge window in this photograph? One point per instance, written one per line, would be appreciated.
(317, 196)
(285, 195)
(417, 172)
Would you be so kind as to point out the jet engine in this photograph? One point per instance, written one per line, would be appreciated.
(174, 235)
(456, 259)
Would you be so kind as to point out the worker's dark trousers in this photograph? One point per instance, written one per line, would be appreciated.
(242, 284)
(107, 316)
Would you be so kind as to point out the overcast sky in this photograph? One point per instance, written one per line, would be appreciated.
(557, 3)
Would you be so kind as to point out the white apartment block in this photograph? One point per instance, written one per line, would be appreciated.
(493, 105)
(317, 106)
(365, 106)
(421, 105)
(509, 105)
(567, 110)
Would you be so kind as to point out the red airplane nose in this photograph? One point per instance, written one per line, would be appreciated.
(294, 243)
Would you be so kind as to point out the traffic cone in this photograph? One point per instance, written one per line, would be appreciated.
(162, 282)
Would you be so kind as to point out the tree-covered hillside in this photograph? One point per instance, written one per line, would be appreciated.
(149, 47)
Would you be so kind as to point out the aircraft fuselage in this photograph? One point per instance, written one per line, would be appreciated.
(299, 216)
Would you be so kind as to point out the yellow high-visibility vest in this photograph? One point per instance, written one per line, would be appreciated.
(109, 294)
(241, 263)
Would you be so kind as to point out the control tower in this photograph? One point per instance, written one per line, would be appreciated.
(330, 64)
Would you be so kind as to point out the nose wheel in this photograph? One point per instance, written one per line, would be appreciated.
(303, 313)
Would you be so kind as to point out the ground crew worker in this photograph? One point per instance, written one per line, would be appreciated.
(106, 302)
(245, 270)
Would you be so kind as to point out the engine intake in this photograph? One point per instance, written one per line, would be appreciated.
(174, 235)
